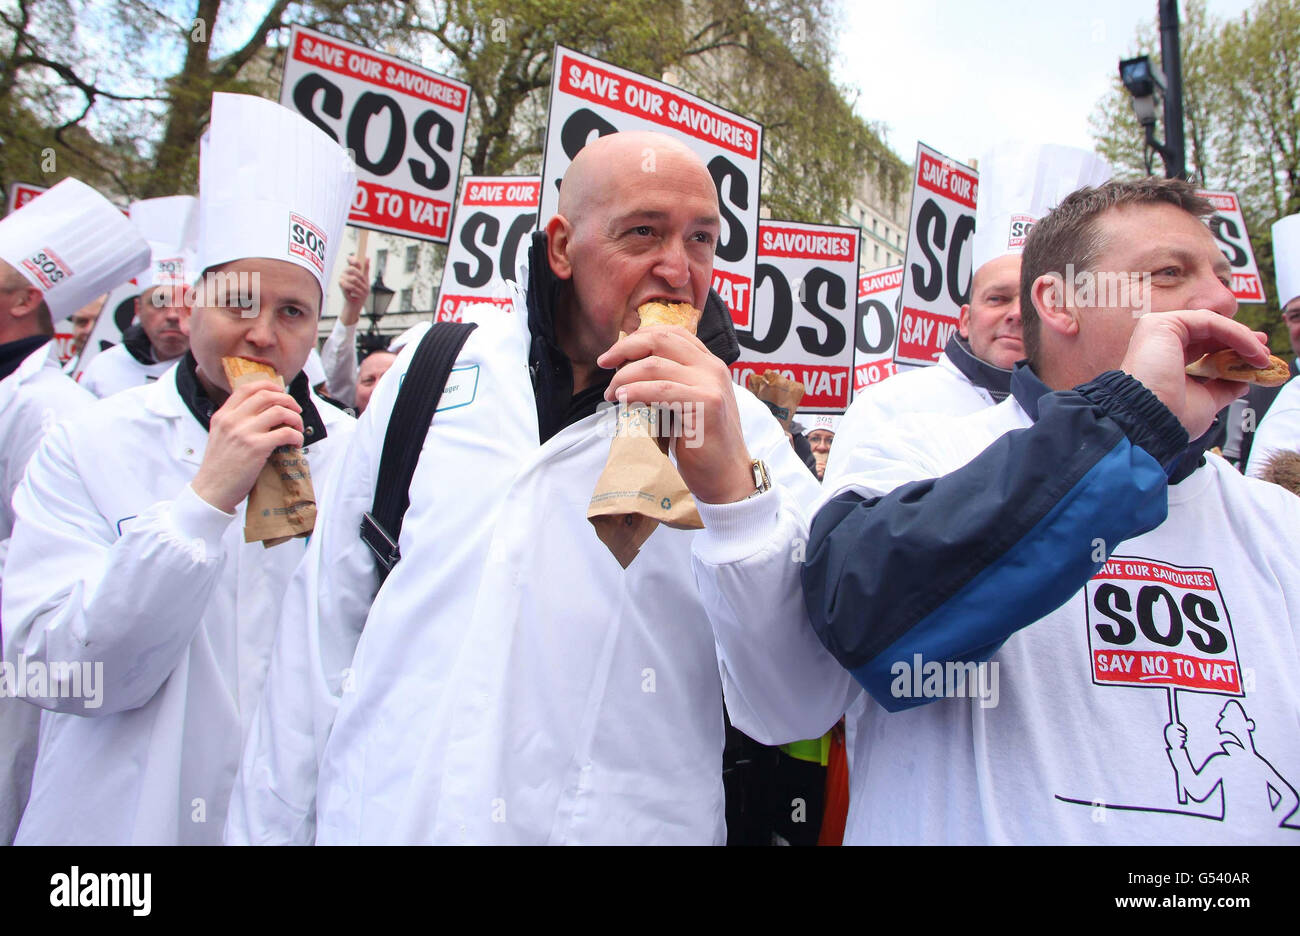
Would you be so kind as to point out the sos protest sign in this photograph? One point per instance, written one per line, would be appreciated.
(1151, 623)
(404, 125)
(877, 326)
(493, 223)
(1229, 228)
(20, 193)
(937, 264)
(590, 98)
(804, 311)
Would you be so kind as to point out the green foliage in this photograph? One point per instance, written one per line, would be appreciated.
(123, 98)
(1242, 123)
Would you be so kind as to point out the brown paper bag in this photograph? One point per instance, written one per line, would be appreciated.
(781, 395)
(640, 487)
(282, 503)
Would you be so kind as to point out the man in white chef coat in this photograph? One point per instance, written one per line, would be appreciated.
(1019, 182)
(57, 254)
(510, 682)
(160, 335)
(128, 565)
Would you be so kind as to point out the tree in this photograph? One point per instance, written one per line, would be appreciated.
(135, 128)
(766, 59)
(1241, 99)
(121, 88)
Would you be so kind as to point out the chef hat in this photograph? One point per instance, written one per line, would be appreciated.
(272, 185)
(1020, 183)
(1286, 258)
(73, 245)
(170, 225)
(824, 421)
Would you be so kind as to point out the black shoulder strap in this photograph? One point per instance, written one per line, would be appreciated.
(417, 400)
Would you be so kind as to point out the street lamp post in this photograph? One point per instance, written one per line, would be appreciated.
(377, 304)
(1144, 80)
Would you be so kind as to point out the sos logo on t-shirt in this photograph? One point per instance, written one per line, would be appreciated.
(47, 267)
(306, 240)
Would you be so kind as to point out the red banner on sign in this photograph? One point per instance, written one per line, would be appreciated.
(923, 334)
(776, 241)
(1144, 571)
(871, 283)
(388, 208)
(626, 94)
(1164, 668)
(452, 308)
(734, 289)
(944, 178)
(508, 194)
(319, 52)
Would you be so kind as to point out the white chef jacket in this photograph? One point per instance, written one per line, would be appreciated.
(512, 683)
(31, 399)
(1278, 431)
(116, 369)
(116, 561)
(338, 357)
(939, 388)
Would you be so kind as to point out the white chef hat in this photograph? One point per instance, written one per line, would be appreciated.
(273, 185)
(73, 245)
(171, 226)
(1286, 257)
(825, 421)
(1020, 183)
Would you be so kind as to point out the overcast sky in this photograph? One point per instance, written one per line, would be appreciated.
(963, 75)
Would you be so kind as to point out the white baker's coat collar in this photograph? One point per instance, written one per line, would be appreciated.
(31, 365)
(188, 439)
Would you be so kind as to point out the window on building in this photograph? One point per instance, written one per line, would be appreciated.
(873, 225)
(876, 256)
(407, 300)
(412, 257)
(381, 262)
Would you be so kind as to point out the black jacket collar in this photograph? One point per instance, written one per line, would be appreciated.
(996, 380)
(201, 406)
(1029, 390)
(13, 353)
(137, 344)
(557, 406)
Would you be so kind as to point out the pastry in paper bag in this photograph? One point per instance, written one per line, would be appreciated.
(640, 487)
(282, 503)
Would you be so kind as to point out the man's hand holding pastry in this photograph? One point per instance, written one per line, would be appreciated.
(255, 419)
(666, 364)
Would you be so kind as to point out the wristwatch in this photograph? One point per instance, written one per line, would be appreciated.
(762, 480)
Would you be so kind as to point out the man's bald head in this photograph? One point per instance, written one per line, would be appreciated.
(637, 221)
(588, 183)
(23, 312)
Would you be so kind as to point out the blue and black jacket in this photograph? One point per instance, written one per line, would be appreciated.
(963, 561)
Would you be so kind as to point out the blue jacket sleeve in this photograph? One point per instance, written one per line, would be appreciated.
(962, 561)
